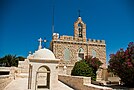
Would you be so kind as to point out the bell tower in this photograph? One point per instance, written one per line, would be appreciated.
(80, 30)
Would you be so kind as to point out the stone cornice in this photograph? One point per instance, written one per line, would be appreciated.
(44, 61)
(82, 43)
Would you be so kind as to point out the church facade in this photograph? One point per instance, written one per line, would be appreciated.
(70, 49)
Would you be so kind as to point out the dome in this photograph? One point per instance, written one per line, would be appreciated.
(43, 54)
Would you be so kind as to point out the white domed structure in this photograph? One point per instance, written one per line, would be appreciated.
(43, 54)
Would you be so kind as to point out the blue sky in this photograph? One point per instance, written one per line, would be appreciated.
(23, 22)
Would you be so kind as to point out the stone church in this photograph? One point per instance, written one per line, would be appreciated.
(70, 49)
(41, 68)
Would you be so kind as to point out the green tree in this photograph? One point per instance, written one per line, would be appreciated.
(81, 68)
(122, 64)
(21, 58)
(87, 67)
(9, 60)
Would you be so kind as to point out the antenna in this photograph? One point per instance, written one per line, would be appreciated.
(79, 12)
(53, 19)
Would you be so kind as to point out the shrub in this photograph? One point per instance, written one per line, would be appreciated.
(81, 68)
(93, 62)
(87, 67)
(122, 64)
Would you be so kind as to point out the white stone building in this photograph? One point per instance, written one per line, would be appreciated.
(43, 70)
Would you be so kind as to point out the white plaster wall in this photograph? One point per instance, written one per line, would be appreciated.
(53, 74)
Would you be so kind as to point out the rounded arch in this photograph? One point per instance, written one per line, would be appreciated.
(80, 50)
(42, 68)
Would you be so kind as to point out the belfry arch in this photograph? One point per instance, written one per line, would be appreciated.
(80, 30)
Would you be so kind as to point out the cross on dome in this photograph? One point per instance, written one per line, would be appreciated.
(40, 41)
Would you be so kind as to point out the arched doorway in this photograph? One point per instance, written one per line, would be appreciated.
(43, 78)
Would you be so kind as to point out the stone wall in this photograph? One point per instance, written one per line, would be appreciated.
(80, 83)
(68, 70)
(58, 48)
(23, 66)
(4, 81)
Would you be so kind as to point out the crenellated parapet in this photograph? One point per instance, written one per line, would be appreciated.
(72, 39)
(95, 41)
(56, 36)
(66, 38)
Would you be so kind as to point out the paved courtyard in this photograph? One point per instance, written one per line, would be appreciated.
(21, 84)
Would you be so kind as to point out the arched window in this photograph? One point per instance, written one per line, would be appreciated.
(80, 54)
(66, 54)
(93, 53)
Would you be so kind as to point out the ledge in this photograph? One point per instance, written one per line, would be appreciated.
(44, 60)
